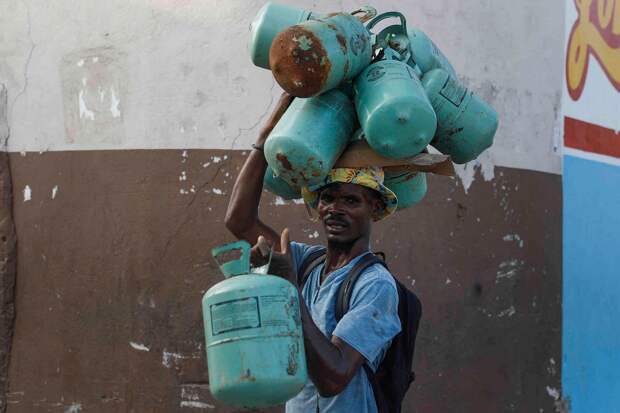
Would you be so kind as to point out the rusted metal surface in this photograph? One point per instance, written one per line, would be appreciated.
(293, 355)
(286, 164)
(8, 254)
(299, 62)
(122, 257)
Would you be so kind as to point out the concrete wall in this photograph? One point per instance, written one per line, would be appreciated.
(128, 122)
(590, 340)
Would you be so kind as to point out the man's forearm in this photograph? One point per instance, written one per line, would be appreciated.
(242, 214)
(328, 367)
(242, 210)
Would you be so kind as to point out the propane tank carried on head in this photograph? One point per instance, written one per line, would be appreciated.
(409, 187)
(466, 124)
(392, 107)
(279, 186)
(254, 341)
(271, 19)
(309, 138)
(425, 54)
(316, 55)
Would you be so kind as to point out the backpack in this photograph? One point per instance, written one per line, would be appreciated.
(394, 375)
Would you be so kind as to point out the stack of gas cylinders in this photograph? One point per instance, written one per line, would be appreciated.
(396, 86)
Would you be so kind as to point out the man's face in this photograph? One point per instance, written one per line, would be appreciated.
(346, 211)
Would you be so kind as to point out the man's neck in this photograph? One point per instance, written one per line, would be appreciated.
(339, 255)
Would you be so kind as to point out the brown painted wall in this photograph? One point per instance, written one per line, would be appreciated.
(8, 254)
(121, 256)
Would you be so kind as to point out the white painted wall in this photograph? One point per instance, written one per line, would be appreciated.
(128, 74)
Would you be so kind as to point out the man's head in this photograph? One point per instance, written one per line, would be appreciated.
(348, 200)
(347, 210)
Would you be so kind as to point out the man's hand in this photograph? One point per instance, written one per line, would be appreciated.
(281, 262)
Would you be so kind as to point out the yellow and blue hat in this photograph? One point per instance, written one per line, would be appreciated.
(370, 177)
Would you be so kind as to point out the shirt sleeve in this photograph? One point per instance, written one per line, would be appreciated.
(299, 251)
(372, 320)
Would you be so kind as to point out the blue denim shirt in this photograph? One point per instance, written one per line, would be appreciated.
(369, 326)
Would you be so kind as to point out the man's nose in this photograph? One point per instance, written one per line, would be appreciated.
(335, 207)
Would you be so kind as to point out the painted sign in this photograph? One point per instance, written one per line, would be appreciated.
(596, 32)
(591, 224)
(592, 67)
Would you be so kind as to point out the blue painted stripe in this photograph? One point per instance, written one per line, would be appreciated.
(591, 283)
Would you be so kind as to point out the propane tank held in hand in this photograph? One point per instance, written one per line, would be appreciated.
(271, 19)
(309, 138)
(317, 55)
(466, 124)
(255, 347)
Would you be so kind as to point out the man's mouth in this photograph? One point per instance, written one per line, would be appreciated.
(335, 225)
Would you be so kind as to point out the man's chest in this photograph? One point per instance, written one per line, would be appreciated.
(321, 298)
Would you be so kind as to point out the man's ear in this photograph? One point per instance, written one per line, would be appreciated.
(377, 204)
(378, 207)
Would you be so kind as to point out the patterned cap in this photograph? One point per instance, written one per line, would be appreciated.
(370, 177)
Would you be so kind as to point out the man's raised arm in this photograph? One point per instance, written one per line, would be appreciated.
(242, 213)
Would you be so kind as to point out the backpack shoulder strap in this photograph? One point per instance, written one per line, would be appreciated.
(309, 263)
(346, 288)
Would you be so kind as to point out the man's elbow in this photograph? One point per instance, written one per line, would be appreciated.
(333, 387)
(233, 225)
(238, 226)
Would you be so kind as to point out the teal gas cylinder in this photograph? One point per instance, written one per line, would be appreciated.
(425, 54)
(254, 339)
(279, 186)
(409, 187)
(317, 55)
(392, 107)
(393, 37)
(466, 124)
(271, 19)
(309, 138)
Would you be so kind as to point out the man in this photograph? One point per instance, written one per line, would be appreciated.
(347, 202)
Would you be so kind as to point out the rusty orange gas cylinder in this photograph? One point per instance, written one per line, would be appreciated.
(315, 56)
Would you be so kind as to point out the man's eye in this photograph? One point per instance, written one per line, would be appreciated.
(351, 200)
(326, 198)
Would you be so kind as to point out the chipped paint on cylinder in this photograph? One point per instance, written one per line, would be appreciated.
(317, 55)
(466, 123)
(279, 186)
(254, 339)
(309, 137)
(271, 19)
(299, 61)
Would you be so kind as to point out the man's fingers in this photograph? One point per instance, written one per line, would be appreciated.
(285, 241)
(263, 246)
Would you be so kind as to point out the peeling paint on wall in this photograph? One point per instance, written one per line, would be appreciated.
(94, 86)
(467, 172)
(27, 193)
(138, 346)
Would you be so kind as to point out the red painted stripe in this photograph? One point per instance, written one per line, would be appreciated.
(591, 138)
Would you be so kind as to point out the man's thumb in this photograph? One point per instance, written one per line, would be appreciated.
(285, 241)
(263, 246)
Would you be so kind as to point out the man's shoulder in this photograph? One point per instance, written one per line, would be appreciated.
(305, 249)
(301, 252)
(376, 273)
